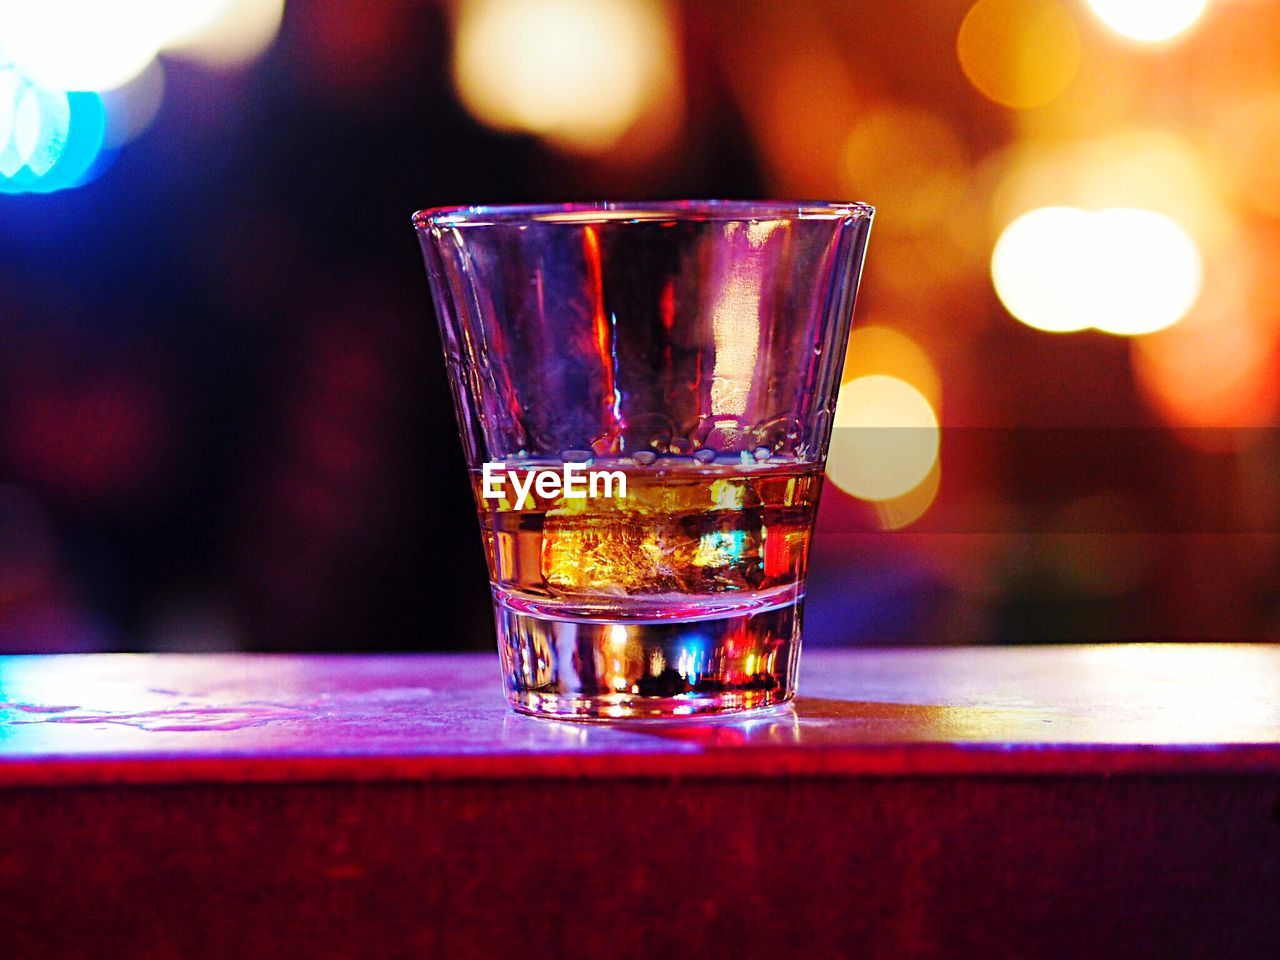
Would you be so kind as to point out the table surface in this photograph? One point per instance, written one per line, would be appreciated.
(1106, 710)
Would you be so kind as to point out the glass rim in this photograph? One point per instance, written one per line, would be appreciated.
(601, 211)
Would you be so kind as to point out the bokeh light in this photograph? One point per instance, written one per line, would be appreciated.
(1246, 136)
(875, 348)
(1218, 368)
(81, 44)
(885, 440)
(1223, 375)
(1124, 271)
(1149, 21)
(33, 126)
(225, 33)
(132, 108)
(911, 161)
(580, 73)
(49, 140)
(91, 45)
(81, 159)
(1036, 267)
(79, 75)
(902, 511)
(1149, 168)
(1019, 53)
(1144, 173)
(879, 350)
(1147, 271)
(802, 109)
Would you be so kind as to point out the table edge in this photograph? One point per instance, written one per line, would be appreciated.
(871, 761)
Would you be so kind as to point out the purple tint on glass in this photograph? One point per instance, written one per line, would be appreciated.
(693, 351)
(577, 326)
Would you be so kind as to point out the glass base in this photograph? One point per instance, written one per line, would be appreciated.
(593, 670)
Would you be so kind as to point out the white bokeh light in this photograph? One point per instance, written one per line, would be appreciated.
(580, 72)
(226, 33)
(10, 84)
(886, 438)
(1147, 271)
(1124, 271)
(34, 124)
(1035, 268)
(81, 44)
(1149, 21)
(101, 46)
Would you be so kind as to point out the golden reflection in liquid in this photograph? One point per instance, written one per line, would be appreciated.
(623, 659)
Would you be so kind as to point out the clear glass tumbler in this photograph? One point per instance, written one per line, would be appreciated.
(645, 393)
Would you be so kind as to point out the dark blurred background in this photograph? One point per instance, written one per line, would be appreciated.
(223, 416)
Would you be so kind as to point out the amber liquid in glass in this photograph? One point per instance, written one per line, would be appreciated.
(716, 551)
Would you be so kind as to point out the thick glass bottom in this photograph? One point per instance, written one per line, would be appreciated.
(589, 669)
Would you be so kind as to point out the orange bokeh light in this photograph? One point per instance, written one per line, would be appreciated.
(911, 161)
(1220, 369)
(1019, 53)
(879, 349)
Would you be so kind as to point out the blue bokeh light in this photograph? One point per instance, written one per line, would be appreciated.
(67, 146)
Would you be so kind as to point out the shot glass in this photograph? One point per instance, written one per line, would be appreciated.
(645, 395)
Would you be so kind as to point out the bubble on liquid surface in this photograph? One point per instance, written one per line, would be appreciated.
(578, 456)
(724, 434)
(645, 457)
(704, 456)
(778, 435)
(762, 454)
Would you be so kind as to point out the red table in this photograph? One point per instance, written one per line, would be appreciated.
(1006, 802)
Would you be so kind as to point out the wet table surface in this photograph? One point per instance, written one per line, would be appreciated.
(1146, 708)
